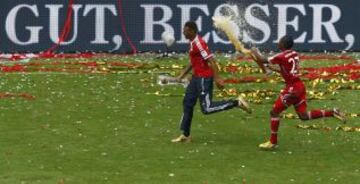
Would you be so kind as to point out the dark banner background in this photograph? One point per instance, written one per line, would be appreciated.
(129, 16)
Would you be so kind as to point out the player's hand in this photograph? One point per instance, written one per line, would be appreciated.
(273, 68)
(254, 51)
(220, 83)
(178, 79)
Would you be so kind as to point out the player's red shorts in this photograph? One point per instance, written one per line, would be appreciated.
(293, 94)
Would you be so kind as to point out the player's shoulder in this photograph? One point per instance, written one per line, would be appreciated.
(289, 53)
(285, 54)
(200, 42)
(277, 56)
(199, 38)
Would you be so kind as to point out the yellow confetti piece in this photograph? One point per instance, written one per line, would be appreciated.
(324, 74)
(157, 93)
(313, 127)
(348, 129)
(175, 66)
(289, 116)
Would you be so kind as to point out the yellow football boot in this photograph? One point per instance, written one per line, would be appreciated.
(268, 146)
(243, 105)
(340, 115)
(181, 138)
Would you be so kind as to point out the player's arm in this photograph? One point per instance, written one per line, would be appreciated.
(273, 68)
(184, 72)
(263, 61)
(214, 66)
(260, 60)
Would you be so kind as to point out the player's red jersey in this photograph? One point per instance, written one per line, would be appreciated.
(288, 61)
(295, 92)
(199, 55)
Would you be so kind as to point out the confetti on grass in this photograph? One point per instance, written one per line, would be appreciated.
(327, 128)
(17, 95)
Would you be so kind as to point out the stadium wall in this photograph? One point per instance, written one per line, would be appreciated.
(124, 26)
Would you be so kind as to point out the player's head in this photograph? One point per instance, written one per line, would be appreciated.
(286, 42)
(190, 30)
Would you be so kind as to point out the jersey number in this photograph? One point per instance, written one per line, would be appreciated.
(294, 63)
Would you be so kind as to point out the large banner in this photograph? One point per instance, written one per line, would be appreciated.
(123, 26)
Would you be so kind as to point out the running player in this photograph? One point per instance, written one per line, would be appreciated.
(205, 73)
(294, 92)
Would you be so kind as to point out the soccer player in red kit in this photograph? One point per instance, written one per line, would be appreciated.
(294, 92)
(205, 73)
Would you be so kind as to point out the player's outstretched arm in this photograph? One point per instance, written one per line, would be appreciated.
(259, 58)
(218, 81)
(184, 72)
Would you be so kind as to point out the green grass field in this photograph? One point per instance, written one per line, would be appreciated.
(115, 127)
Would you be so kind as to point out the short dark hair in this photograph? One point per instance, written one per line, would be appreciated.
(288, 41)
(192, 25)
